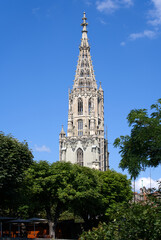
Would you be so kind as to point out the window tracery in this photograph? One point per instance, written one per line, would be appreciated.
(80, 157)
(89, 106)
(80, 127)
(80, 106)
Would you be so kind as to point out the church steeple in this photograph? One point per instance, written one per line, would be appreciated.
(84, 78)
(85, 143)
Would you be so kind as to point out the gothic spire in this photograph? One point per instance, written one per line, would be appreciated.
(84, 78)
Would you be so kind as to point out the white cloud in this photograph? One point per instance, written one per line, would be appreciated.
(155, 13)
(42, 148)
(107, 6)
(110, 6)
(145, 182)
(35, 10)
(88, 2)
(122, 43)
(129, 2)
(146, 33)
(102, 21)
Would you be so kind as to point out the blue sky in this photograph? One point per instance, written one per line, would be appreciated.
(39, 47)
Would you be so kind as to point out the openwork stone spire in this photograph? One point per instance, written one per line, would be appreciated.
(84, 78)
(84, 143)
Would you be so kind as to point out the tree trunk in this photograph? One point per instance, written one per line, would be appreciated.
(52, 224)
(51, 229)
(86, 221)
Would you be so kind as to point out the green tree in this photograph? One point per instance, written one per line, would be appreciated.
(45, 183)
(61, 186)
(85, 195)
(116, 191)
(94, 195)
(143, 147)
(137, 222)
(55, 188)
(15, 158)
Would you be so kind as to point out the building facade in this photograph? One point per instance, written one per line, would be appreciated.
(85, 143)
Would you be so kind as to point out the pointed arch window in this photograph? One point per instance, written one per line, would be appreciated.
(80, 157)
(89, 124)
(81, 73)
(80, 127)
(80, 106)
(98, 105)
(89, 106)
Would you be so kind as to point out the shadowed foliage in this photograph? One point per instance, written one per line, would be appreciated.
(15, 158)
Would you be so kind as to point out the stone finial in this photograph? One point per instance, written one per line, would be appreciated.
(100, 87)
(84, 24)
(62, 131)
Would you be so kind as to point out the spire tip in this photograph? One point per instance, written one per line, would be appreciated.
(84, 24)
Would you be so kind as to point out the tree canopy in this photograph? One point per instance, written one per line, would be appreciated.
(47, 190)
(45, 184)
(115, 191)
(15, 158)
(137, 221)
(143, 147)
(60, 186)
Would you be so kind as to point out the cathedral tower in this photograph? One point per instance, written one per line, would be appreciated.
(85, 143)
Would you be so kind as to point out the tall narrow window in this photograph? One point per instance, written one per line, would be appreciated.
(89, 106)
(98, 105)
(80, 156)
(81, 74)
(80, 127)
(80, 106)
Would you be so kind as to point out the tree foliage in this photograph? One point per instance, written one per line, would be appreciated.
(137, 222)
(86, 198)
(45, 183)
(47, 190)
(63, 186)
(143, 147)
(15, 158)
(115, 191)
